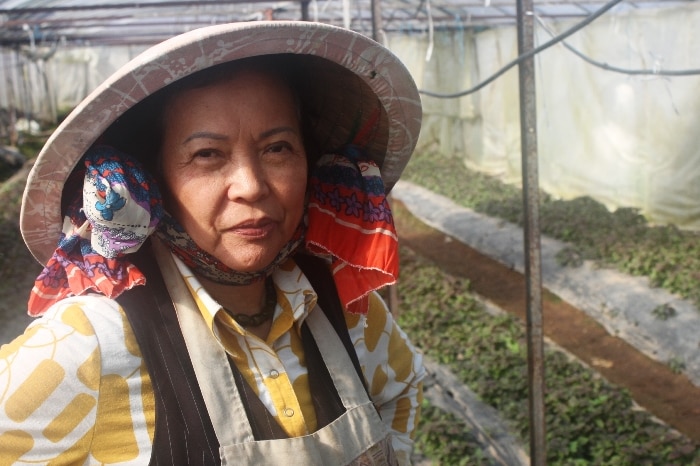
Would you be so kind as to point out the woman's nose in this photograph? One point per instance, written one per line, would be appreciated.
(247, 181)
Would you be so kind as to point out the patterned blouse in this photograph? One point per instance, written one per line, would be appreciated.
(75, 390)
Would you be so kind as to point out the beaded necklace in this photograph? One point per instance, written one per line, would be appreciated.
(268, 310)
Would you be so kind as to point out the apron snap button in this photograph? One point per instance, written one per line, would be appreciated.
(289, 412)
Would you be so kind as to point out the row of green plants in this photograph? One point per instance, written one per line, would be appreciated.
(589, 421)
(622, 239)
(444, 439)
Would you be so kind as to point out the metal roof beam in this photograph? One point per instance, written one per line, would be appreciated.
(121, 6)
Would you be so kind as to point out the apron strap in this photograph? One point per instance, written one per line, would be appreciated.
(318, 273)
(186, 434)
(209, 359)
(348, 383)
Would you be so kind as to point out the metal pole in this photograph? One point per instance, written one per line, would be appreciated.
(533, 272)
(377, 20)
(346, 14)
(305, 10)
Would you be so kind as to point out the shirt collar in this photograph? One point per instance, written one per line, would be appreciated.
(295, 299)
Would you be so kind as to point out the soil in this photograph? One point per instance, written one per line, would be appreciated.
(669, 396)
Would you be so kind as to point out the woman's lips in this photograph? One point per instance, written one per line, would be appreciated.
(254, 229)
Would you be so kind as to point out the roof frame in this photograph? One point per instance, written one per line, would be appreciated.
(87, 22)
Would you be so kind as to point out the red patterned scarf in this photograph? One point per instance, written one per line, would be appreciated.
(351, 222)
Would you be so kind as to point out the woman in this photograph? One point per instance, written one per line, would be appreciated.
(235, 319)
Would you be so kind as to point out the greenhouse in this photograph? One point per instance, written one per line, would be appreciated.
(549, 217)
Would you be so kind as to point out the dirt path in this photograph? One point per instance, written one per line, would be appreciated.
(670, 397)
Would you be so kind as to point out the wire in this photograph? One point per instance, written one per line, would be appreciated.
(605, 66)
(527, 55)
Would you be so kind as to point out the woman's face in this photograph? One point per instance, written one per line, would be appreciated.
(234, 167)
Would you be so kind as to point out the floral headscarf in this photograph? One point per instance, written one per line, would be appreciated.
(119, 208)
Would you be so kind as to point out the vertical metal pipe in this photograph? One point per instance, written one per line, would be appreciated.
(304, 10)
(533, 272)
(377, 20)
(346, 14)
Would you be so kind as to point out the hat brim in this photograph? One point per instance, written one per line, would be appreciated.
(367, 73)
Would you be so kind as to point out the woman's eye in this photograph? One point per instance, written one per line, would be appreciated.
(205, 153)
(279, 147)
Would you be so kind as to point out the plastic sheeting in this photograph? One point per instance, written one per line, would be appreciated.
(625, 140)
(42, 83)
(83, 69)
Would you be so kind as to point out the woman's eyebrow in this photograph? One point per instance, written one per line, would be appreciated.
(220, 137)
(204, 135)
(280, 129)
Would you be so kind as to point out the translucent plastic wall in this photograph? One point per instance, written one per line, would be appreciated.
(624, 139)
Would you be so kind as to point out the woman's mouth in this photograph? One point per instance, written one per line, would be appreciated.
(254, 229)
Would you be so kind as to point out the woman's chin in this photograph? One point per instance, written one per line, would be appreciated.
(248, 263)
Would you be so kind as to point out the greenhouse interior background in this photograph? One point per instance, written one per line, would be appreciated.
(616, 100)
(617, 88)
